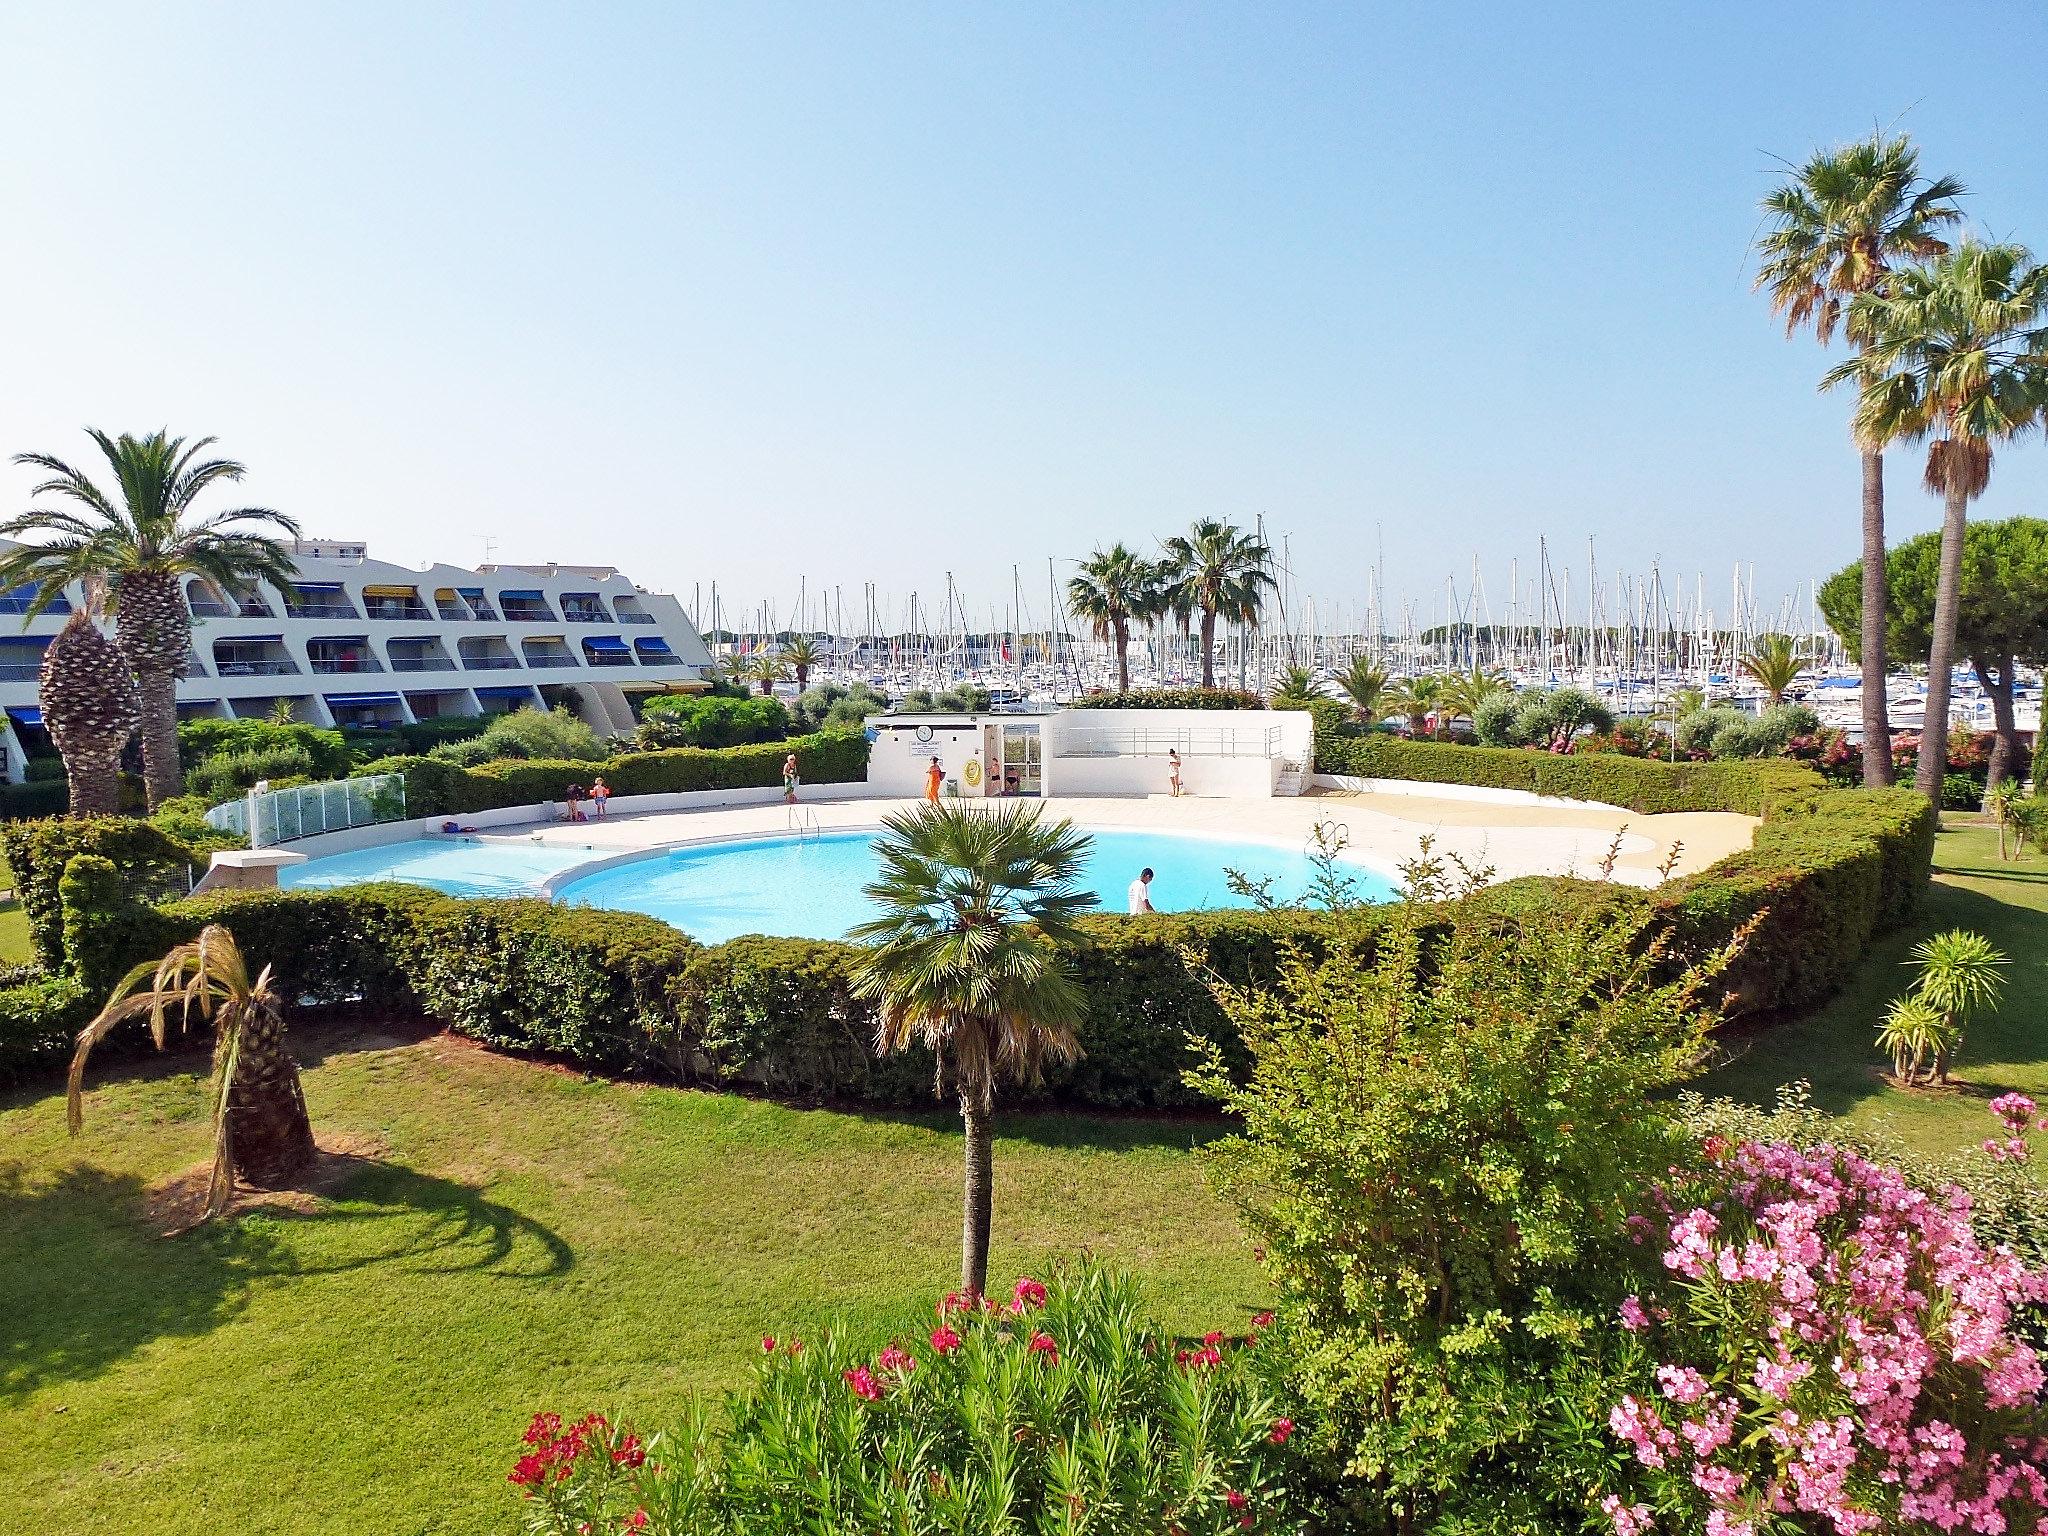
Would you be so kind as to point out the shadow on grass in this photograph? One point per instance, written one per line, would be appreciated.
(1081, 1130)
(91, 1281)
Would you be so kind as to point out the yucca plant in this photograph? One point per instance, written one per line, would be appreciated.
(89, 706)
(143, 542)
(965, 960)
(1913, 1032)
(1059, 1409)
(1959, 974)
(260, 1128)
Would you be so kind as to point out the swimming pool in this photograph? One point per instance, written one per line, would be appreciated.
(803, 888)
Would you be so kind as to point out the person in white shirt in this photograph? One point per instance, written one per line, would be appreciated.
(1140, 893)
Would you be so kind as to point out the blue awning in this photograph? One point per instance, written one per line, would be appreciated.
(316, 586)
(525, 597)
(604, 643)
(655, 647)
(24, 715)
(506, 693)
(351, 699)
(250, 640)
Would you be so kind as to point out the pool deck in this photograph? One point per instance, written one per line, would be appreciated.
(1382, 830)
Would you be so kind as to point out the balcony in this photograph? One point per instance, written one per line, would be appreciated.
(584, 608)
(423, 654)
(654, 652)
(207, 608)
(18, 600)
(607, 651)
(327, 608)
(342, 654)
(526, 608)
(278, 667)
(394, 608)
(635, 618)
(548, 651)
(487, 654)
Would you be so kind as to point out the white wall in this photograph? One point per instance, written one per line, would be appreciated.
(898, 760)
(1220, 778)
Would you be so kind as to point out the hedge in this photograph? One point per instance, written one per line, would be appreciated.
(617, 992)
(1171, 698)
(437, 788)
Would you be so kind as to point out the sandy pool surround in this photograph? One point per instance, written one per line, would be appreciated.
(1517, 834)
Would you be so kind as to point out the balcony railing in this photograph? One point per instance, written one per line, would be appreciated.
(635, 618)
(346, 664)
(322, 610)
(20, 671)
(550, 659)
(586, 616)
(277, 667)
(207, 608)
(422, 664)
(378, 609)
(529, 613)
(490, 663)
(610, 658)
(1216, 742)
(454, 613)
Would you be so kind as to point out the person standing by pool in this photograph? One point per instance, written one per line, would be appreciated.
(1173, 772)
(574, 795)
(599, 793)
(1140, 894)
(789, 779)
(934, 776)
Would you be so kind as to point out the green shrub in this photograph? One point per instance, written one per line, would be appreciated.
(153, 865)
(43, 770)
(1961, 792)
(1062, 1411)
(1541, 713)
(230, 775)
(1172, 698)
(39, 1019)
(967, 699)
(24, 802)
(679, 720)
(1493, 722)
(325, 751)
(552, 734)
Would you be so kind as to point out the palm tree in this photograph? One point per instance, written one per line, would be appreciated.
(1839, 225)
(765, 669)
(1366, 684)
(143, 545)
(1113, 589)
(1217, 570)
(260, 1129)
(1773, 664)
(965, 960)
(1418, 698)
(802, 653)
(1297, 689)
(1464, 692)
(89, 706)
(1955, 353)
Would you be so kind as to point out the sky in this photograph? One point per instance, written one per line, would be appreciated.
(764, 294)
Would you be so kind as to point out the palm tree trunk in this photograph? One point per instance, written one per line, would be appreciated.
(270, 1138)
(1941, 652)
(157, 692)
(1877, 729)
(977, 1208)
(1123, 654)
(94, 776)
(1208, 647)
(2008, 755)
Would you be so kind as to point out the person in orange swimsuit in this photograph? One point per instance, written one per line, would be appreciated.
(934, 776)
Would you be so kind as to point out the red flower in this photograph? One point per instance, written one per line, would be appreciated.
(630, 1453)
(958, 1301)
(862, 1381)
(543, 1427)
(767, 1343)
(1028, 1293)
(637, 1521)
(796, 1346)
(894, 1359)
(527, 1470)
(945, 1340)
(1042, 1343)
(1282, 1428)
(1212, 1339)
(1235, 1499)
(1262, 1320)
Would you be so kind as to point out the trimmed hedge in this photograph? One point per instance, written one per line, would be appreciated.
(434, 787)
(1171, 698)
(152, 865)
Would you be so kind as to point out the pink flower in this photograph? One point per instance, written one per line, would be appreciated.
(637, 1521)
(545, 1426)
(630, 1452)
(945, 1340)
(862, 1381)
(1633, 1317)
(1028, 1293)
(767, 1343)
(1235, 1499)
(1281, 1429)
(1629, 1519)
(959, 1301)
(897, 1360)
(1042, 1343)
(1262, 1320)
(2016, 1110)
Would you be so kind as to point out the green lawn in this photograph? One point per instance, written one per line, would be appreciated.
(1834, 1049)
(516, 1238)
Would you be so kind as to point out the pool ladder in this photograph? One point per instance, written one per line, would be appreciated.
(803, 822)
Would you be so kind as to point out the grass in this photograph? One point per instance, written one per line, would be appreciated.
(513, 1238)
(1834, 1048)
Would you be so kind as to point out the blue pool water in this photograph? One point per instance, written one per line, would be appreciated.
(809, 888)
(459, 866)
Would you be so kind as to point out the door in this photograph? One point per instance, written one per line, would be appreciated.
(1021, 761)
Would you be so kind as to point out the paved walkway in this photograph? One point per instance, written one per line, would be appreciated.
(1382, 829)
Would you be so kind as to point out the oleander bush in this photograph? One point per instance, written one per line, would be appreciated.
(1058, 1409)
(230, 775)
(326, 750)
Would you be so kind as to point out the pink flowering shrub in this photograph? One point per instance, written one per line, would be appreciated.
(1056, 1402)
(1830, 1349)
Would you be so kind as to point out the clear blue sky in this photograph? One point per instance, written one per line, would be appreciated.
(870, 292)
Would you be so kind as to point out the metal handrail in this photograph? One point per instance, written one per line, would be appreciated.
(1209, 741)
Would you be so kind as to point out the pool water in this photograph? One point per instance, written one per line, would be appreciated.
(460, 866)
(811, 887)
